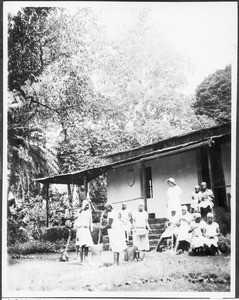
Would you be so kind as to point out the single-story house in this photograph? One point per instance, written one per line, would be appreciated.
(141, 173)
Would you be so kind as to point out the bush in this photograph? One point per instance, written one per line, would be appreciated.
(16, 234)
(223, 219)
(224, 244)
(34, 247)
(53, 234)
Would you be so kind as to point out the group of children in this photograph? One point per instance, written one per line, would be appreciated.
(194, 231)
(119, 224)
(190, 232)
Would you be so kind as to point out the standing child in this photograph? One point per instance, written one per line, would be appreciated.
(194, 207)
(83, 225)
(126, 217)
(206, 198)
(140, 231)
(116, 233)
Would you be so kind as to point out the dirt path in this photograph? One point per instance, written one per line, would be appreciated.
(158, 272)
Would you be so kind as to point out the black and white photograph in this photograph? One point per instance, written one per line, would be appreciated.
(119, 149)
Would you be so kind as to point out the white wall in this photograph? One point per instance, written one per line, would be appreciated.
(118, 189)
(182, 167)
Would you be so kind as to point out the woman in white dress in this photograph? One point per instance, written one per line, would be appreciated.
(116, 233)
(83, 225)
(174, 195)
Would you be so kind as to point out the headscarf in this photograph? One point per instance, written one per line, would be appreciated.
(197, 215)
(210, 215)
(107, 204)
(171, 180)
(84, 203)
(184, 207)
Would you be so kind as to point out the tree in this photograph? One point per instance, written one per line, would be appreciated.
(29, 153)
(27, 41)
(213, 96)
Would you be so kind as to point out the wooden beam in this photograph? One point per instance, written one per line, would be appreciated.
(69, 193)
(85, 187)
(210, 168)
(47, 204)
(144, 190)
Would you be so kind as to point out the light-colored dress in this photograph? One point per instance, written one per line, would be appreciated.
(172, 229)
(198, 239)
(211, 230)
(82, 225)
(205, 199)
(116, 233)
(174, 200)
(183, 229)
(194, 203)
(140, 233)
(125, 219)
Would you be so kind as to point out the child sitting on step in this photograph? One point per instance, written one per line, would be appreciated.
(171, 228)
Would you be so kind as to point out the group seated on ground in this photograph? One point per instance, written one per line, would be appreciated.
(192, 233)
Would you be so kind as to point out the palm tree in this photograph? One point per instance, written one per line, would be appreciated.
(29, 153)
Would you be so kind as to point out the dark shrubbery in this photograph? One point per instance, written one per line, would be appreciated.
(223, 219)
(16, 233)
(224, 244)
(53, 234)
(34, 247)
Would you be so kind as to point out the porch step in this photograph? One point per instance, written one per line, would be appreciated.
(157, 221)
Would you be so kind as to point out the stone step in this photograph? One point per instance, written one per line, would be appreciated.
(157, 221)
(152, 235)
(157, 226)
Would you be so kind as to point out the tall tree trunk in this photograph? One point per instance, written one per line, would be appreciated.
(69, 194)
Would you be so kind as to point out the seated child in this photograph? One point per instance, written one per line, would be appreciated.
(194, 207)
(197, 239)
(170, 231)
(211, 232)
(184, 237)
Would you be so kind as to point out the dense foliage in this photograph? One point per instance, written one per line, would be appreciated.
(213, 96)
(77, 93)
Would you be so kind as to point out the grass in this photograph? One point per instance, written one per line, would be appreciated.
(158, 272)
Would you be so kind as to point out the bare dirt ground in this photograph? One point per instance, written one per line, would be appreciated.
(161, 272)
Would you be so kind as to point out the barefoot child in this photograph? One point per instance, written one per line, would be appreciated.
(170, 231)
(83, 225)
